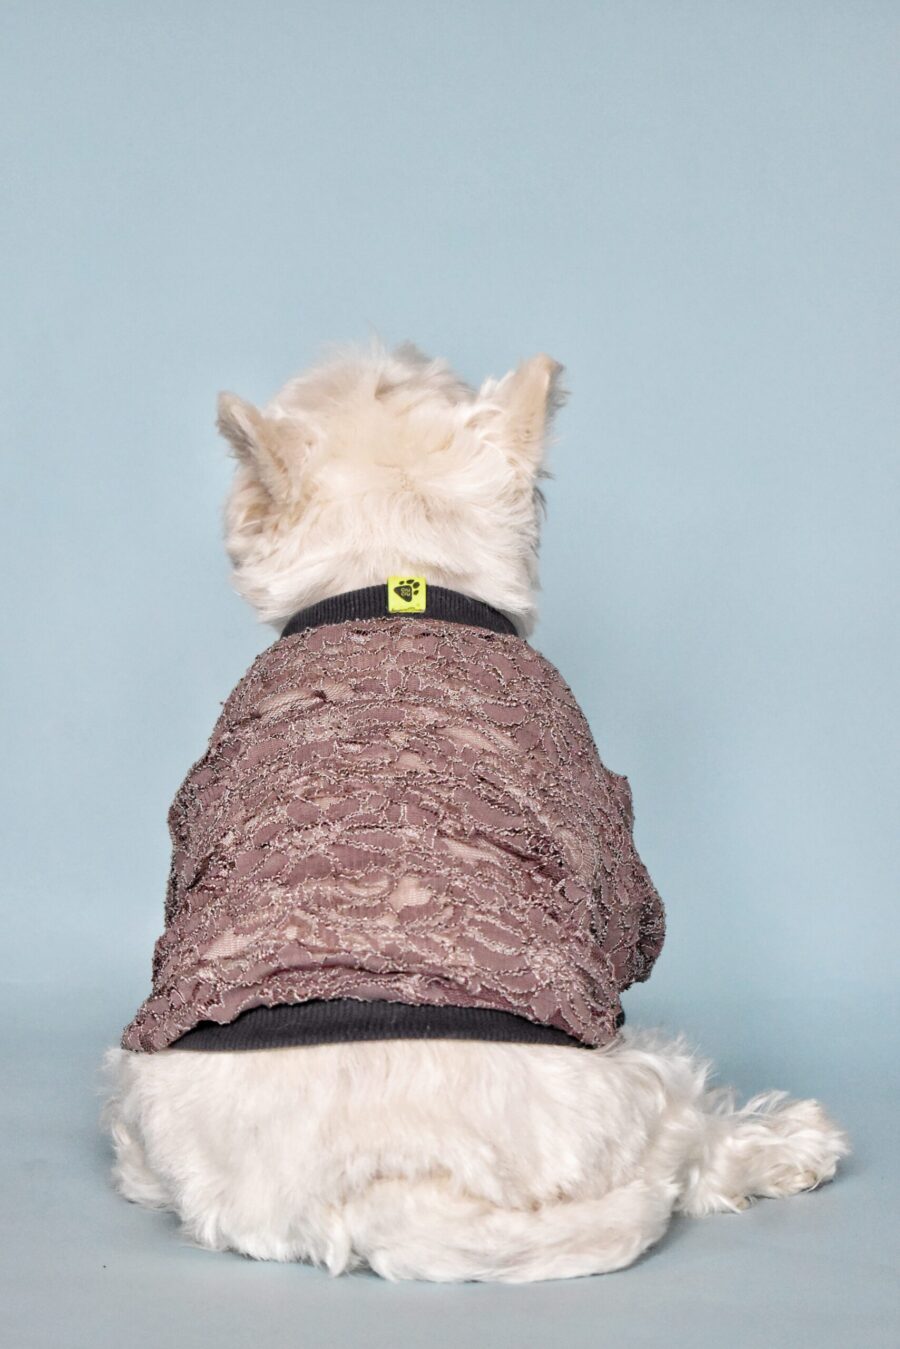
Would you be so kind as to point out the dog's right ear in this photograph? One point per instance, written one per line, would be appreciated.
(528, 398)
(255, 442)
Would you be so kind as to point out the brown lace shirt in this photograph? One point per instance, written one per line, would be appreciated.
(404, 809)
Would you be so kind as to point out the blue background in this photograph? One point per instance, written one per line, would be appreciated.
(693, 206)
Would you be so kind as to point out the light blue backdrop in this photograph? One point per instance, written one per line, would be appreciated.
(693, 206)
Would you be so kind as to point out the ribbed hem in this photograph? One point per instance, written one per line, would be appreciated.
(450, 606)
(340, 1020)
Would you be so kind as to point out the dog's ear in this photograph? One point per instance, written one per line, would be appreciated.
(255, 441)
(528, 398)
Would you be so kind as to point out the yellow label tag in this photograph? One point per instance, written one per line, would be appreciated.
(406, 594)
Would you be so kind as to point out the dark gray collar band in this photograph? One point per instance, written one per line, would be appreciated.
(450, 606)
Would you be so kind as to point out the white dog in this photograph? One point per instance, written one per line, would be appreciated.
(443, 1158)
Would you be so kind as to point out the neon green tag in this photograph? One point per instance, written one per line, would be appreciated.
(407, 594)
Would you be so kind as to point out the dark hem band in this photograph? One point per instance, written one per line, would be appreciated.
(340, 1020)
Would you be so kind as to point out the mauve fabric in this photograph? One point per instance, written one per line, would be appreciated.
(408, 810)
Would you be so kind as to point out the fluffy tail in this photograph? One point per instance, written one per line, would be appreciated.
(427, 1230)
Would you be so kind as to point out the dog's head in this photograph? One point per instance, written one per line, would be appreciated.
(385, 463)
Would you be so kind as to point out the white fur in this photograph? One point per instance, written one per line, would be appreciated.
(376, 464)
(437, 1159)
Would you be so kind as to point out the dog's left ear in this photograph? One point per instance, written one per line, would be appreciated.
(255, 441)
(528, 398)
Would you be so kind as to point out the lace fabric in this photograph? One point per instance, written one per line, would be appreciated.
(402, 809)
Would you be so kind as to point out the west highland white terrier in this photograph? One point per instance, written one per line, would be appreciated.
(385, 1026)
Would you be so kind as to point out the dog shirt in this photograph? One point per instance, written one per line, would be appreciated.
(404, 819)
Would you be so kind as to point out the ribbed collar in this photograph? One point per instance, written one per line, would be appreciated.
(371, 602)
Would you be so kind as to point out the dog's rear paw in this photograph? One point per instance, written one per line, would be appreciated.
(772, 1148)
(780, 1184)
(800, 1151)
(738, 1203)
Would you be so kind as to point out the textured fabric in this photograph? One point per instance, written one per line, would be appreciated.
(402, 809)
(340, 1020)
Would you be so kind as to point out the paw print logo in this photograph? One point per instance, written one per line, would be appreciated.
(407, 595)
(408, 590)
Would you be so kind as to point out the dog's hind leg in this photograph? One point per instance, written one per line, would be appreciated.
(771, 1147)
(133, 1175)
(428, 1229)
